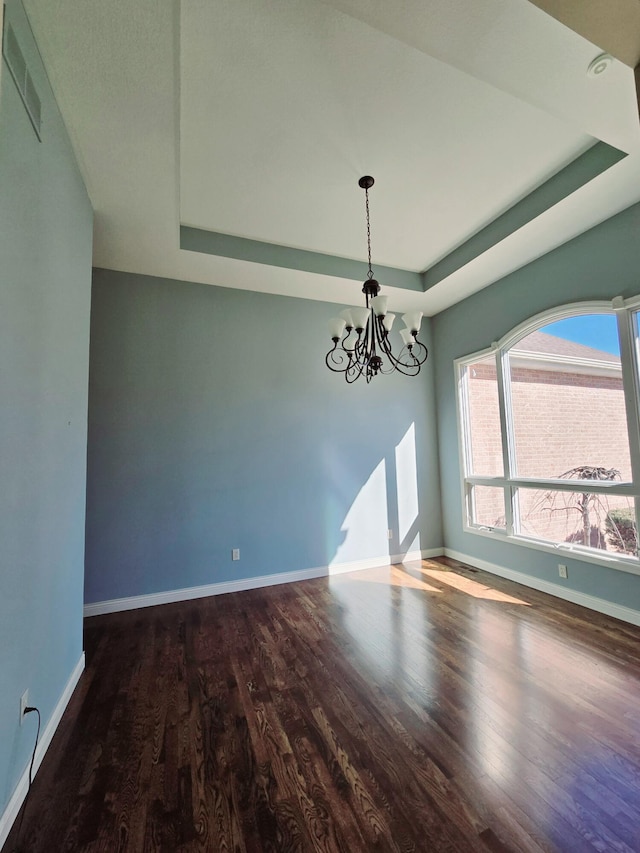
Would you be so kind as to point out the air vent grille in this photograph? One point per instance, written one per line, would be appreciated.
(23, 80)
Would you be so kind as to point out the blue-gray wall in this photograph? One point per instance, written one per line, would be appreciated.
(214, 424)
(45, 277)
(600, 264)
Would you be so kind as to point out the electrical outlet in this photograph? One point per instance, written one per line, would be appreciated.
(24, 702)
(235, 554)
(562, 570)
(389, 533)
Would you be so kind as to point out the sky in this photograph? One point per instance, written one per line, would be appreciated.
(599, 331)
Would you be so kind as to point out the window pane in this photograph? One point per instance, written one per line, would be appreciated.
(636, 330)
(567, 401)
(604, 522)
(484, 418)
(487, 506)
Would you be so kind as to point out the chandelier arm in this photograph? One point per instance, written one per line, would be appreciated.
(420, 358)
(382, 335)
(371, 332)
(354, 372)
(383, 343)
(413, 366)
(407, 368)
(418, 354)
(409, 371)
(386, 347)
(338, 356)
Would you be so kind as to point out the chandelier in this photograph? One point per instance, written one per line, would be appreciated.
(365, 349)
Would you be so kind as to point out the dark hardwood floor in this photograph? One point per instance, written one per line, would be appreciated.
(429, 707)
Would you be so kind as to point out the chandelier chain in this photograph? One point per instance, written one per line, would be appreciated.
(366, 196)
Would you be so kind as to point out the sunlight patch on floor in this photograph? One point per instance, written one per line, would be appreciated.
(388, 576)
(468, 586)
(415, 574)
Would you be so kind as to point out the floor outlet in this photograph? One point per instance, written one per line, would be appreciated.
(24, 702)
(235, 554)
(562, 570)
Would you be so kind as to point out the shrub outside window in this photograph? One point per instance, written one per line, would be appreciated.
(549, 433)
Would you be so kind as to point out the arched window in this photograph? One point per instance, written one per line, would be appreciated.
(549, 433)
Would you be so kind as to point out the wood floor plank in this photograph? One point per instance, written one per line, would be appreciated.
(427, 707)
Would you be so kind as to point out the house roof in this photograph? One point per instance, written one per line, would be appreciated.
(221, 142)
(541, 342)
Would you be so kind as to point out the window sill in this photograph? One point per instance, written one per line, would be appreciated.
(631, 565)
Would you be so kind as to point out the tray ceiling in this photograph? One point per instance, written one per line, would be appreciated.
(254, 120)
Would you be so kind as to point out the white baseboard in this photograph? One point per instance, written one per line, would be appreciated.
(17, 798)
(424, 554)
(592, 602)
(116, 605)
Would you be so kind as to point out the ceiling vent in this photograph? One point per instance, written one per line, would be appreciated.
(23, 80)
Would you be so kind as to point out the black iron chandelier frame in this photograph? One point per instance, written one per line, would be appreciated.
(368, 352)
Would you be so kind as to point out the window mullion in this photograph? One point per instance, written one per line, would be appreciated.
(464, 436)
(506, 435)
(630, 385)
(465, 420)
(628, 358)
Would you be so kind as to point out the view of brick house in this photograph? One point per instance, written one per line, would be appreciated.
(568, 412)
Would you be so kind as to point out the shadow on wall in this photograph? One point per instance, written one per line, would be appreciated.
(384, 517)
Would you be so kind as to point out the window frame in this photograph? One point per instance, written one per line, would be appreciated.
(625, 311)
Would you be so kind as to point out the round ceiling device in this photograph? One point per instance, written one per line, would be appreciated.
(599, 65)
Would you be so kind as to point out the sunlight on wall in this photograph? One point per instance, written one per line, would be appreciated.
(366, 523)
(407, 480)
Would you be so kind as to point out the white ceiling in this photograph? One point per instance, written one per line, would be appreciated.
(257, 117)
